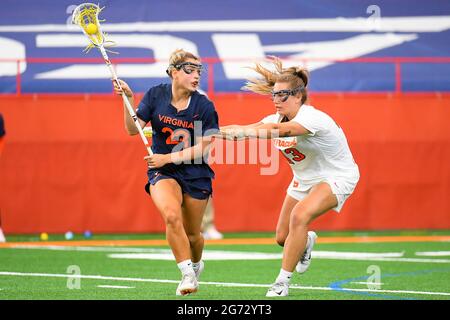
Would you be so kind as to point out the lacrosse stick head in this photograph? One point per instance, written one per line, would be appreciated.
(86, 17)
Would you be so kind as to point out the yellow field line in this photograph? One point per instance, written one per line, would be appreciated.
(241, 241)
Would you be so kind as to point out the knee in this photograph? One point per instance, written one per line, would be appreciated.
(172, 217)
(195, 237)
(300, 218)
(281, 238)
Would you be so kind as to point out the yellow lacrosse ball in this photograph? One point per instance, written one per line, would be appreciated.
(148, 132)
(44, 236)
(91, 28)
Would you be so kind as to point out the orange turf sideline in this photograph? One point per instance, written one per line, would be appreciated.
(237, 241)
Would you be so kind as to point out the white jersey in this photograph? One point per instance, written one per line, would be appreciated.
(322, 154)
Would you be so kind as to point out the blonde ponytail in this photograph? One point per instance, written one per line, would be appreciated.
(297, 77)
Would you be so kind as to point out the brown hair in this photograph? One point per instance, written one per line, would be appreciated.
(179, 56)
(295, 76)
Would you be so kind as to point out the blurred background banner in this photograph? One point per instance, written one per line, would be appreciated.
(381, 71)
(230, 35)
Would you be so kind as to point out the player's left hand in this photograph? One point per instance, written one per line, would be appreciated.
(157, 160)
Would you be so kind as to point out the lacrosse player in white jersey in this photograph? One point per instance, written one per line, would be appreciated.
(324, 171)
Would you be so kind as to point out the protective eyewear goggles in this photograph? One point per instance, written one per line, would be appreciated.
(188, 67)
(283, 95)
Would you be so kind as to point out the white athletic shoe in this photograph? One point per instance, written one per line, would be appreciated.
(199, 271)
(305, 260)
(279, 289)
(187, 285)
(212, 234)
(2, 237)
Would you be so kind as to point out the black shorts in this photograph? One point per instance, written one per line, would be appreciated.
(197, 188)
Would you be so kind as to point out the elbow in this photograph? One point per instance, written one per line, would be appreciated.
(280, 132)
(131, 132)
(276, 128)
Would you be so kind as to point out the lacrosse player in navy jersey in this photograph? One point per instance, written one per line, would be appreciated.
(179, 179)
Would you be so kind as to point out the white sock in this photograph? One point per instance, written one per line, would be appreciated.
(284, 276)
(186, 266)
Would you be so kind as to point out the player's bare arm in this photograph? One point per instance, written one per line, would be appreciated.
(233, 126)
(185, 155)
(129, 123)
(226, 132)
(265, 131)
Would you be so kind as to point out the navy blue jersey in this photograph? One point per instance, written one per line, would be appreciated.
(174, 131)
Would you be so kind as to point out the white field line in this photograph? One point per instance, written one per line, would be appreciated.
(210, 255)
(90, 249)
(166, 254)
(239, 255)
(115, 287)
(434, 253)
(394, 259)
(371, 283)
(224, 284)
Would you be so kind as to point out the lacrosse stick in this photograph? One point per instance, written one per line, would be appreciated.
(86, 17)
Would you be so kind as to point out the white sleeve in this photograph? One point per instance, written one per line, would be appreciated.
(310, 120)
(273, 118)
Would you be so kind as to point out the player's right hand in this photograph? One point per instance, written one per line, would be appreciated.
(125, 88)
